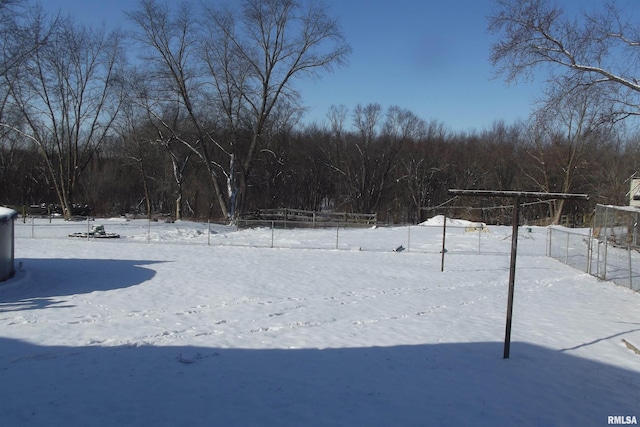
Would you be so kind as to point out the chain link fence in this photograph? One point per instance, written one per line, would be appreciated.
(570, 247)
(608, 251)
(428, 239)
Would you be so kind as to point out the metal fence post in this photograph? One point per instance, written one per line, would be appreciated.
(589, 251)
(444, 236)
(598, 260)
(604, 272)
(635, 230)
(630, 273)
(606, 242)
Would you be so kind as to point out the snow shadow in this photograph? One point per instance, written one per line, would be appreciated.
(39, 281)
(432, 384)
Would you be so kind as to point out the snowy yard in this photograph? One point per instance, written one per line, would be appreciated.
(172, 326)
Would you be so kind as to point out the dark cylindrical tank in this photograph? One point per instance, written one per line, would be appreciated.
(7, 218)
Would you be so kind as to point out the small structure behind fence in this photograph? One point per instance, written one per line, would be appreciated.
(608, 251)
(296, 218)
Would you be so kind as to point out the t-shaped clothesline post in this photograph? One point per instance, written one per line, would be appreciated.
(517, 196)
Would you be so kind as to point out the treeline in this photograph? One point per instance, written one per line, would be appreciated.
(194, 113)
(400, 172)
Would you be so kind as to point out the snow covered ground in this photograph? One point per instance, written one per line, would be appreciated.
(176, 325)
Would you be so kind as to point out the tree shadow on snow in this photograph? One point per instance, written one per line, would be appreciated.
(439, 384)
(38, 281)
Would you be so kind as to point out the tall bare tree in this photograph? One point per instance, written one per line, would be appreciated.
(254, 55)
(231, 69)
(69, 95)
(172, 81)
(18, 38)
(596, 49)
(161, 122)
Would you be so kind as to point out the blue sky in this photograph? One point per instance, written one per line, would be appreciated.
(429, 56)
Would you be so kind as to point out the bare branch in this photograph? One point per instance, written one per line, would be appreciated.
(595, 49)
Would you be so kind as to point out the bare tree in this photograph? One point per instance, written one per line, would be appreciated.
(368, 156)
(69, 95)
(18, 38)
(161, 123)
(231, 70)
(565, 130)
(598, 49)
(337, 116)
(426, 161)
(254, 55)
(611, 165)
(358, 166)
(171, 41)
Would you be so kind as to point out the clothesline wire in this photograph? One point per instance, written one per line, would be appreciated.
(487, 207)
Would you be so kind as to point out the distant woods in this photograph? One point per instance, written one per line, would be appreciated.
(194, 114)
(403, 177)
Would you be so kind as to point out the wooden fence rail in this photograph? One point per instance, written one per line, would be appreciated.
(302, 218)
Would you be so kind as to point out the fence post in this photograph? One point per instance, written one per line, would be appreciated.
(598, 260)
(444, 235)
(589, 251)
(630, 273)
(604, 273)
(606, 242)
(635, 230)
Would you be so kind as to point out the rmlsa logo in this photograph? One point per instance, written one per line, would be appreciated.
(622, 419)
